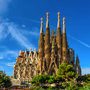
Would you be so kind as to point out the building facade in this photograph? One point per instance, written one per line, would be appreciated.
(52, 51)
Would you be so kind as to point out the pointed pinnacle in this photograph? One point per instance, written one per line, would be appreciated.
(47, 15)
(47, 23)
(58, 24)
(64, 20)
(64, 25)
(41, 31)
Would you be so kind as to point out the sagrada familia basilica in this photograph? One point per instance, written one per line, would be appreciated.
(52, 51)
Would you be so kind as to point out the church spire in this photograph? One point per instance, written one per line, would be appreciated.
(47, 23)
(64, 44)
(41, 49)
(41, 41)
(58, 39)
(47, 43)
(64, 25)
(58, 24)
(41, 31)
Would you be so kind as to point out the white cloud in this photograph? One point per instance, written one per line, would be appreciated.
(22, 40)
(85, 71)
(34, 32)
(79, 41)
(3, 30)
(13, 29)
(2, 68)
(23, 26)
(1, 57)
(11, 64)
(8, 53)
(28, 32)
(3, 6)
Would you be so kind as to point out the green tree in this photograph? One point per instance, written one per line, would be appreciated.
(59, 78)
(40, 79)
(5, 81)
(66, 71)
(2, 80)
(88, 76)
(84, 78)
(51, 80)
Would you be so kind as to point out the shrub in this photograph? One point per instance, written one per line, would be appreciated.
(50, 88)
(70, 86)
(36, 88)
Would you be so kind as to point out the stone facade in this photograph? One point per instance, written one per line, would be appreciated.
(15, 82)
(52, 51)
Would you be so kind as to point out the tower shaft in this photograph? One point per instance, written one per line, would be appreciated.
(58, 39)
(64, 45)
(47, 43)
(41, 48)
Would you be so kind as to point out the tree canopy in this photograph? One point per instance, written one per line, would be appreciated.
(39, 79)
(66, 70)
(5, 81)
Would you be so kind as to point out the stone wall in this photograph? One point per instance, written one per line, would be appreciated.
(16, 81)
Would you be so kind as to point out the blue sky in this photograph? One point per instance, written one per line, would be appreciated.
(20, 28)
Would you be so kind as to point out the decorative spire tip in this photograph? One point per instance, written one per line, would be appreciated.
(64, 18)
(47, 13)
(41, 19)
(58, 13)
